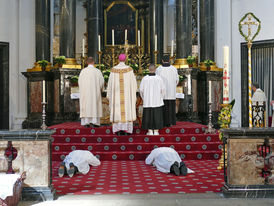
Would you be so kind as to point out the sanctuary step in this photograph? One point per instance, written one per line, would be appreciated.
(187, 138)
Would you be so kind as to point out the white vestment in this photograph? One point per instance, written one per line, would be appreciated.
(259, 96)
(121, 93)
(163, 158)
(152, 91)
(272, 124)
(91, 82)
(170, 78)
(81, 159)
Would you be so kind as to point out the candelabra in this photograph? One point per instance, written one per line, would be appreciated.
(210, 128)
(44, 126)
(172, 59)
(99, 58)
(155, 56)
(83, 61)
(140, 56)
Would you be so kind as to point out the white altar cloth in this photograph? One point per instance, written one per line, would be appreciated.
(6, 184)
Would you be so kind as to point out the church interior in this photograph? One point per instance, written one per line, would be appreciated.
(223, 51)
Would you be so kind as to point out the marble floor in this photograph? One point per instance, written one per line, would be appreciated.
(207, 199)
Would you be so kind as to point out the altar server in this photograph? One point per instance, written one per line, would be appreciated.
(259, 96)
(77, 161)
(121, 93)
(167, 160)
(91, 82)
(170, 78)
(152, 91)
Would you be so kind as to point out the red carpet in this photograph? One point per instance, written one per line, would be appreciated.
(130, 175)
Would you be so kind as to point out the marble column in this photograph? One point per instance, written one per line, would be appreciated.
(156, 27)
(42, 29)
(94, 26)
(183, 28)
(207, 30)
(67, 28)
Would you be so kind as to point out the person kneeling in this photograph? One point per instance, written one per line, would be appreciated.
(167, 160)
(77, 161)
(152, 91)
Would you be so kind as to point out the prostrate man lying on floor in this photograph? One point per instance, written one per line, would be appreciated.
(167, 160)
(77, 161)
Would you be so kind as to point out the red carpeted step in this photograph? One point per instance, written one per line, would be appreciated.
(141, 155)
(120, 147)
(135, 138)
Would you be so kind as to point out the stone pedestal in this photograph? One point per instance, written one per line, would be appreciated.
(34, 87)
(217, 95)
(250, 162)
(65, 108)
(33, 157)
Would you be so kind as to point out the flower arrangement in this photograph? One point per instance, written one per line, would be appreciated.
(190, 60)
(106, 74)
(74, 80)
(208, 63)
(59, 60)
(224, 118)
(43, 64)
(182, 78)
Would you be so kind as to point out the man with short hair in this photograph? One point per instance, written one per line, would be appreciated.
(91, 82)
(121, 93)
(170, 78)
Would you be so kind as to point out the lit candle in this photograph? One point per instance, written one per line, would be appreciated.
(188, 84)
(83, 49)
(44, 91)
(99, 43)
(209, 92)
(155, 47)
(139, 38)
(125, 36)
(226, 75)
(172, 42)
(112, 37)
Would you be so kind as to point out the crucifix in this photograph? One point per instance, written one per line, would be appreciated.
(126, 47)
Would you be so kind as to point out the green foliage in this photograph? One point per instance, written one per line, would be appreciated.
(208, 62)
(145, 72)
(182, 78)
(191, 59)
(106, 74)
(74, 79)
(59, 60)
(43, 63)
(241, 27)
(100, 66)
(133, 65)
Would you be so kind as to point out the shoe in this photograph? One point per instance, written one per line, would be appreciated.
(183, 169)
(87, 126)
(119, 133)
(156, 132)
(71, 170)
(174, 169)
(150, 132)
(94, 125)
(61, 170)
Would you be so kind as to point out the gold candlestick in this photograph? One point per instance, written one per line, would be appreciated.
(82, 62)
(172, 59)
(140, 55)
(99, 58)
(155, 56)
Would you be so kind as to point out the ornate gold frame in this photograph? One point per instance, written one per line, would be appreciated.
(136, 19)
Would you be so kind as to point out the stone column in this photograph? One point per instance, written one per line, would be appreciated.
(206, 30)
(156, 27)
(94, 26)
(42, 29)
(67, 28)
(183, 28)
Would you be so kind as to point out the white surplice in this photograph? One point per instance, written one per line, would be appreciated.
(162, 158)
(152, 91)
(170, 78)
(81, 159)
(121, 93)
(91, 82)
(259, 96)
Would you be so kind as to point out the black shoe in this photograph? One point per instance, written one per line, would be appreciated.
(61, 170)
(183, 169)
(87, 126)
(119, 133)
(71, 170)
(174, 169)
(94, 125)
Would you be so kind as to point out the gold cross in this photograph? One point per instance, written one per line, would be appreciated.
(249, 23)
(127, 47)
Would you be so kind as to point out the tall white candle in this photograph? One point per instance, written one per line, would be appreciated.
(99, 43)
(209, 92)
(155, 47)
(112, 37)
(44, 91)
(188, 84)
(226, 75)
(125, 36)
(139, 38)
(83, 47)
(172, 42)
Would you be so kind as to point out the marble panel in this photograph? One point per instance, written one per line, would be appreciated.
(56, 95)
(35, 92)
(217, 89)
(33, 157)
(245, 163)
(194, 95)
(3, 160)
